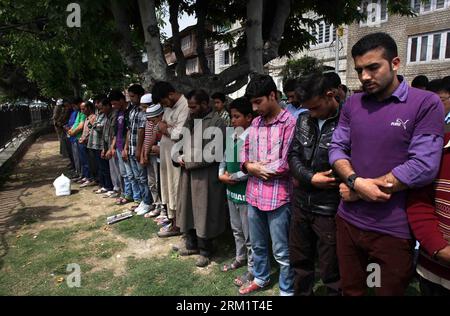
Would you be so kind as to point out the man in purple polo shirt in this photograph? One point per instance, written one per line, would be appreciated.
(389, 139)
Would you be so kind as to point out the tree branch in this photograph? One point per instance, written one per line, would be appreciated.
(174, 7)
(279, 21)
(253, 30)
(156, 65)
(201, 10)
(129, 53)
(236, 86)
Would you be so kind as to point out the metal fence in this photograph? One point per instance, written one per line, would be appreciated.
(14, 120)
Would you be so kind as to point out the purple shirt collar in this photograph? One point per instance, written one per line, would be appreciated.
(401, 93)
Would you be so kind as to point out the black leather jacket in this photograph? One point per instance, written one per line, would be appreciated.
(308, 154)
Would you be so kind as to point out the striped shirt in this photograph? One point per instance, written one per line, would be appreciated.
(152, 136)
(225, 116)
(269, 143)
(108, 129)
(137, 121)
(96, 135)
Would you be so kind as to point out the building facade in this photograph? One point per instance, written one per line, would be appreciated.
(423, 41)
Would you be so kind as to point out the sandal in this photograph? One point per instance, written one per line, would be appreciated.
(250, 287)
(122, 201)
(241, 280)
(232, 266)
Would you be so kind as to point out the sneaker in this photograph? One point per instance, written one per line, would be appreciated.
(169, 231)
(137, 209)
(101, 191)
(145, 208)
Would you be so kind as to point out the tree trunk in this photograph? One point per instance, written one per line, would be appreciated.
(253, 30)
(156, 65)
(201, 10)
(277, 30)
(130, 55)
(174, 7)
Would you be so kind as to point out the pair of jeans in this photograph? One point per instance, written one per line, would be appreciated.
(265, 225)
(84, 161)
(311, 235)
(239, 226)
(104, 173)
(139, 180)
(123, 167)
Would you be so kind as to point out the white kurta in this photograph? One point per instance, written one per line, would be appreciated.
(170, 175)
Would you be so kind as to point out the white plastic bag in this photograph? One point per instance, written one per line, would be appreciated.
(62, 185)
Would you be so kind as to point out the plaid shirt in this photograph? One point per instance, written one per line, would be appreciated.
(108, 129)
(269, 143)
(137, 121)
(95, 140)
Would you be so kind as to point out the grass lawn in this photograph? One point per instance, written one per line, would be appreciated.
(36, 264)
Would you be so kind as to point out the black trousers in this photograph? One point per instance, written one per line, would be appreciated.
(313, 235)
(205, 246)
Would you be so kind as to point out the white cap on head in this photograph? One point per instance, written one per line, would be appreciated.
(59, 102)
(154, 110)
(147, 98)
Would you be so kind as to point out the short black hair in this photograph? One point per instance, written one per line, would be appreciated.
(136, 89)
(115, 95)
(446, 83)
(260, 86)
(99, 97)
(107, 102)
(435, 85)
(89, 105)
(199, 95)
(374, 41)
(220, 96)
(242, 105)
(77, 100)
(313, 85)
(290, 85)
(160, 90)
(334, 79)
(419, 81)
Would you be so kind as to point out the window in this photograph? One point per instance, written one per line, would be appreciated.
(436, 46)
(447, 50)
(375, 10)
(424, 48)
(191, 66)
(421, 6)
(186, 42)
(413, 50)
(429, 47)
(324, 33)
(226, 57)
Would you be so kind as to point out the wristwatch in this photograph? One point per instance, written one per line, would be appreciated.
(351, 181)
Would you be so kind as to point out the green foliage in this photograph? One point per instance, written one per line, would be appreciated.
(296, 68)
